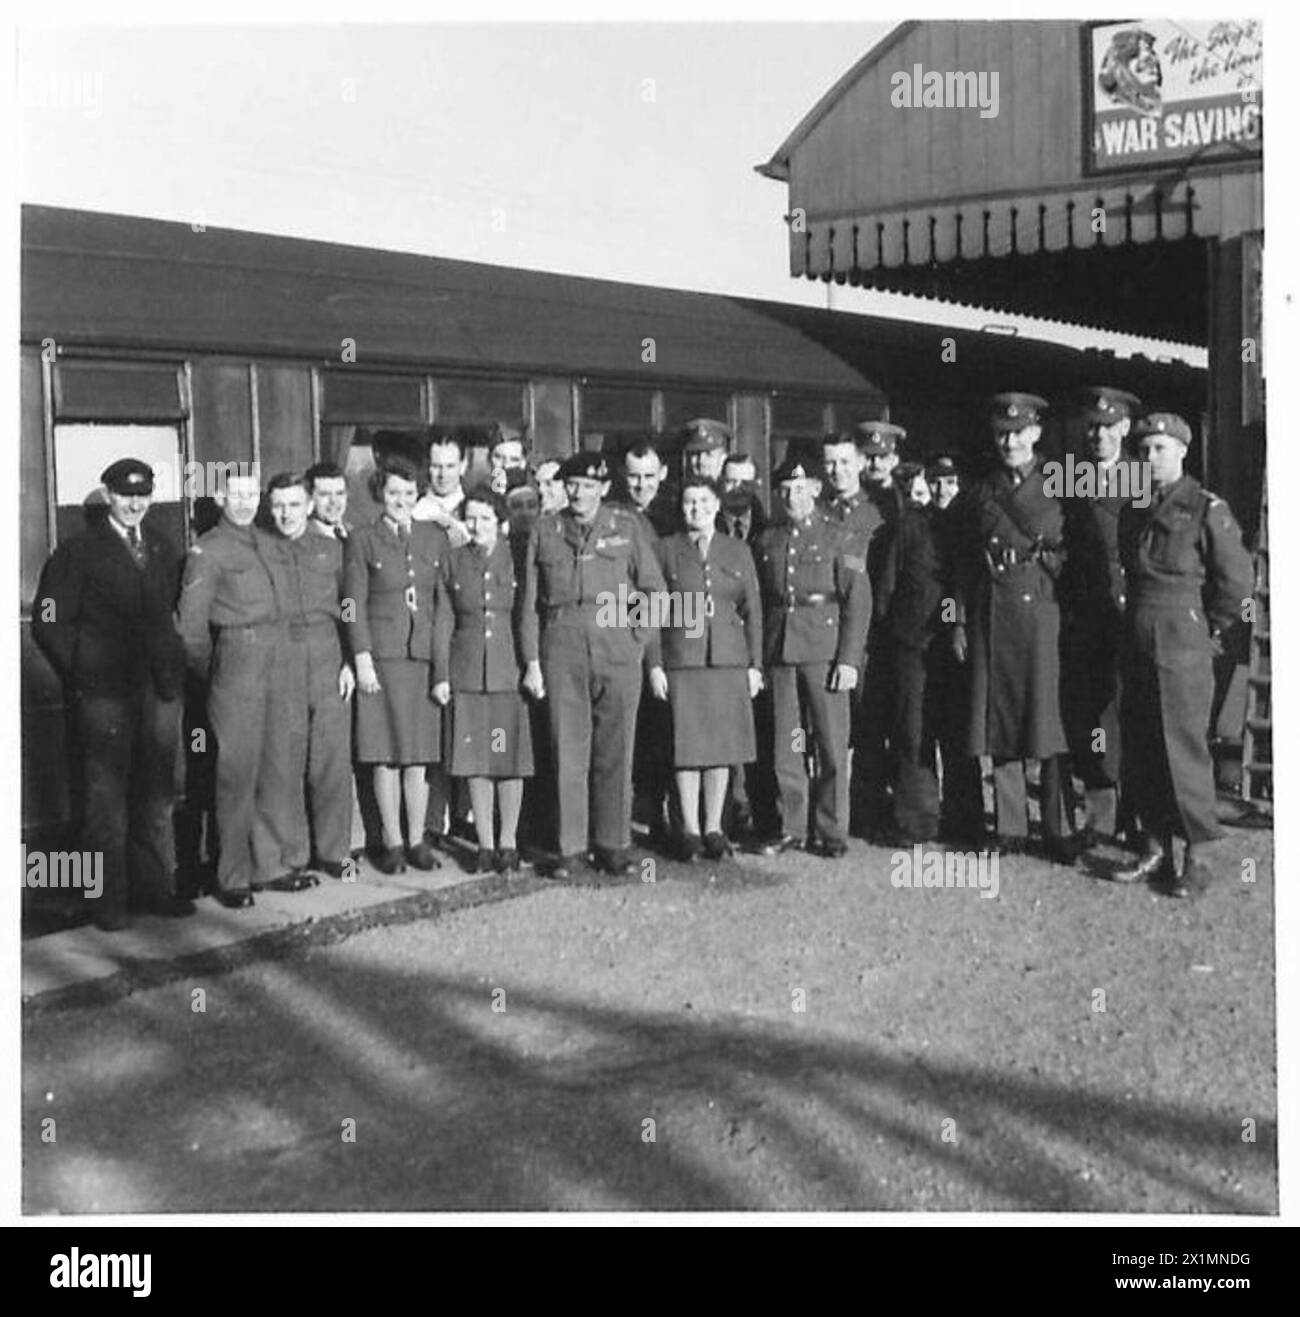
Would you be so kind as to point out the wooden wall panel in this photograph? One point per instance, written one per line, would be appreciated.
(222, 423)
(33, 525)
(284, 418)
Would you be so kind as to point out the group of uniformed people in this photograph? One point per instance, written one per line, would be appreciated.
(560, 649)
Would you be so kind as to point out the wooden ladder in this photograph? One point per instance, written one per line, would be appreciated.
(1257, 737)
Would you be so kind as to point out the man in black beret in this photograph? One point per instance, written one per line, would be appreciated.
(103, 616)
(583, 647)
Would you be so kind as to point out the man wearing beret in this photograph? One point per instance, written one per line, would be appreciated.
(1187, 579)
(231, 622)
(1009, 555)
(816, 607)
(582, 567)
(103, 615)
(1092, 597)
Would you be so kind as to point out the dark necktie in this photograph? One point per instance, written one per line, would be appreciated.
(137, 547)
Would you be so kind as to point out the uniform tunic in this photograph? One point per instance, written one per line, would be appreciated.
(104, 619)
(574, 577)
(388, 579)
(708, 672)
(475, 649)
(309, 578)
(816, 607)
(1009, 554)
(1186, 573)
(909, 613)
(230, 621)
(868, 517)
(1092, 594)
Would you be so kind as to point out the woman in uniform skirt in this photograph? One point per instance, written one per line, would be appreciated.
(711, 668)
(389, 575)
(477, 672)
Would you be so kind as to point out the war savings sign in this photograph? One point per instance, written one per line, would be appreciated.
(1165, 91)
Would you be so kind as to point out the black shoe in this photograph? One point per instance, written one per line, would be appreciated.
(785, 842)
(330, 868)
(1009, 845)
(169, 907)
(1063, 850)
(617, 864)
(1195, 880)
(421, 856)
(296, 880)
(391, 860)
(507, 861)
(236, 900)
(438, 840)
(690, 847)
(562, 867)
(716, 846)
(1155, 864)
(830, 850)
(481, 861)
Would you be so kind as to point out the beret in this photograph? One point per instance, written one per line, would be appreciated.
(1163, 423)
(588, 465)
(941, 465)
(128, 475)
(1013, 411)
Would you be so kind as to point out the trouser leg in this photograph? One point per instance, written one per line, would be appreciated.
(828, 714)
(281, 833)
(873, 759)
(788, 751)
(1051, 797)
(616, 695)
(568, 689)
(1011, 805)
(151, 844)
(760, 779)
(238, 713)
(329, 762)
(916, 791)
(1186, 693)
(105, 728)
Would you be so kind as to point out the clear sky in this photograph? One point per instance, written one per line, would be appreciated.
(622, 151)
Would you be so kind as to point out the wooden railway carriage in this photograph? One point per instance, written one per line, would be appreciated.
(192, 348)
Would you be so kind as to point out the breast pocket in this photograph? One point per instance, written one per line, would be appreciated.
(1171, 545)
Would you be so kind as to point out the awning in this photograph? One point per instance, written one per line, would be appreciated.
(1127, 257)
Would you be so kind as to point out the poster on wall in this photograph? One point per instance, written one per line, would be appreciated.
(1164, 91)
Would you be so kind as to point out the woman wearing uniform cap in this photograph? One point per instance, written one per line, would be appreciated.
(712, 663)
(477, 669)
(389, 575)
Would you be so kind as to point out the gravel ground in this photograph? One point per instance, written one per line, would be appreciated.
(783, 1033)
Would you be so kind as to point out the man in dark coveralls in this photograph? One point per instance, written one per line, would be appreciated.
(582, 567)
(1092, 597)
(1188, 579)
(316, 685)
(230, 621)
(1009, 552)
(816, 607)
(103, 616)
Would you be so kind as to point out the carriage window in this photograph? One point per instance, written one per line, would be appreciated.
(480, 400)
(81, 452)
(682, 405)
